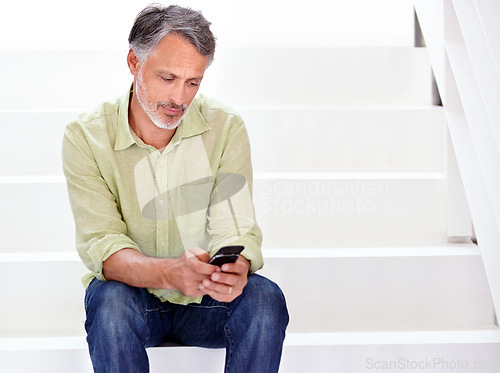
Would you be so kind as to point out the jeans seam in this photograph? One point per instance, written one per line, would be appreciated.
(146, 323)
(208, 307)
(229, 351)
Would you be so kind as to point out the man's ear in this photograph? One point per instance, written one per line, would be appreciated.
(133, 62)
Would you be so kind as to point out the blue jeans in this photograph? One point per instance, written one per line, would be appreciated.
(122, 321)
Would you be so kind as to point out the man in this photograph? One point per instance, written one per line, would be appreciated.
(158, 181)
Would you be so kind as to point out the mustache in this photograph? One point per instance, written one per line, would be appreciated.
(171, 105)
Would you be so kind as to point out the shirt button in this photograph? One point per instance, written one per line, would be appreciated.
(161, 202)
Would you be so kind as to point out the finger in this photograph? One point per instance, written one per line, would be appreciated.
(203, 268)
(236, 268)
(199, 263)
(226, 298)
(224, 293)
(218, 287)
(225, 278)
(242, 265)
(193, 293)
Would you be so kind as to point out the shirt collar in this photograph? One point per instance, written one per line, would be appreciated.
(192, 124)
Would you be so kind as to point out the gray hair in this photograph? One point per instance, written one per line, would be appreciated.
(156, 21)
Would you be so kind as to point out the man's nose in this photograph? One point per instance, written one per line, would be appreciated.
(178, 93)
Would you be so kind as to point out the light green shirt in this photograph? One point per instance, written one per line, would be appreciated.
(197, 192)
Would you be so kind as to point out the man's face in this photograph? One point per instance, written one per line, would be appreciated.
(167, 82)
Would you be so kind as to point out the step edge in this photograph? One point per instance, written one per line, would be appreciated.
(32, 179)
(291, 339)
(374, 252)
(438, 250)
(399, 337)
(431, 175)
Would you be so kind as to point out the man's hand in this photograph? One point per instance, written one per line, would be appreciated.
(227, 282)
(185, 273)
(188, 271)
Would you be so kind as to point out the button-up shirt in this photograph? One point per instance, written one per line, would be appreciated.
(197, 192)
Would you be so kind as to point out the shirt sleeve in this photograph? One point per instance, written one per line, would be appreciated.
(231, 214)
(100, 229)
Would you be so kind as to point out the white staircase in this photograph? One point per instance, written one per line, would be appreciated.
(352, 190)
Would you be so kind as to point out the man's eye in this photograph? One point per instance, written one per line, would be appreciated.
(167, 79)
(195, 84)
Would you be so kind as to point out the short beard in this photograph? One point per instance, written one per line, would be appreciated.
(151, 111)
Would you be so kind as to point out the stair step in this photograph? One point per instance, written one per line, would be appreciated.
(472, 351)
(48, 294)
(364, 139)
(352, 209)
(468, 350)
(293, 210)
(35, 139)
(250, 77)
(330, 290)
(284, 77)
(346, 140)
(55, 340)
(361, 22)
(40, 205)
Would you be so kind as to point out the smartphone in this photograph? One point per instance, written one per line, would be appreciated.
(226, 254)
